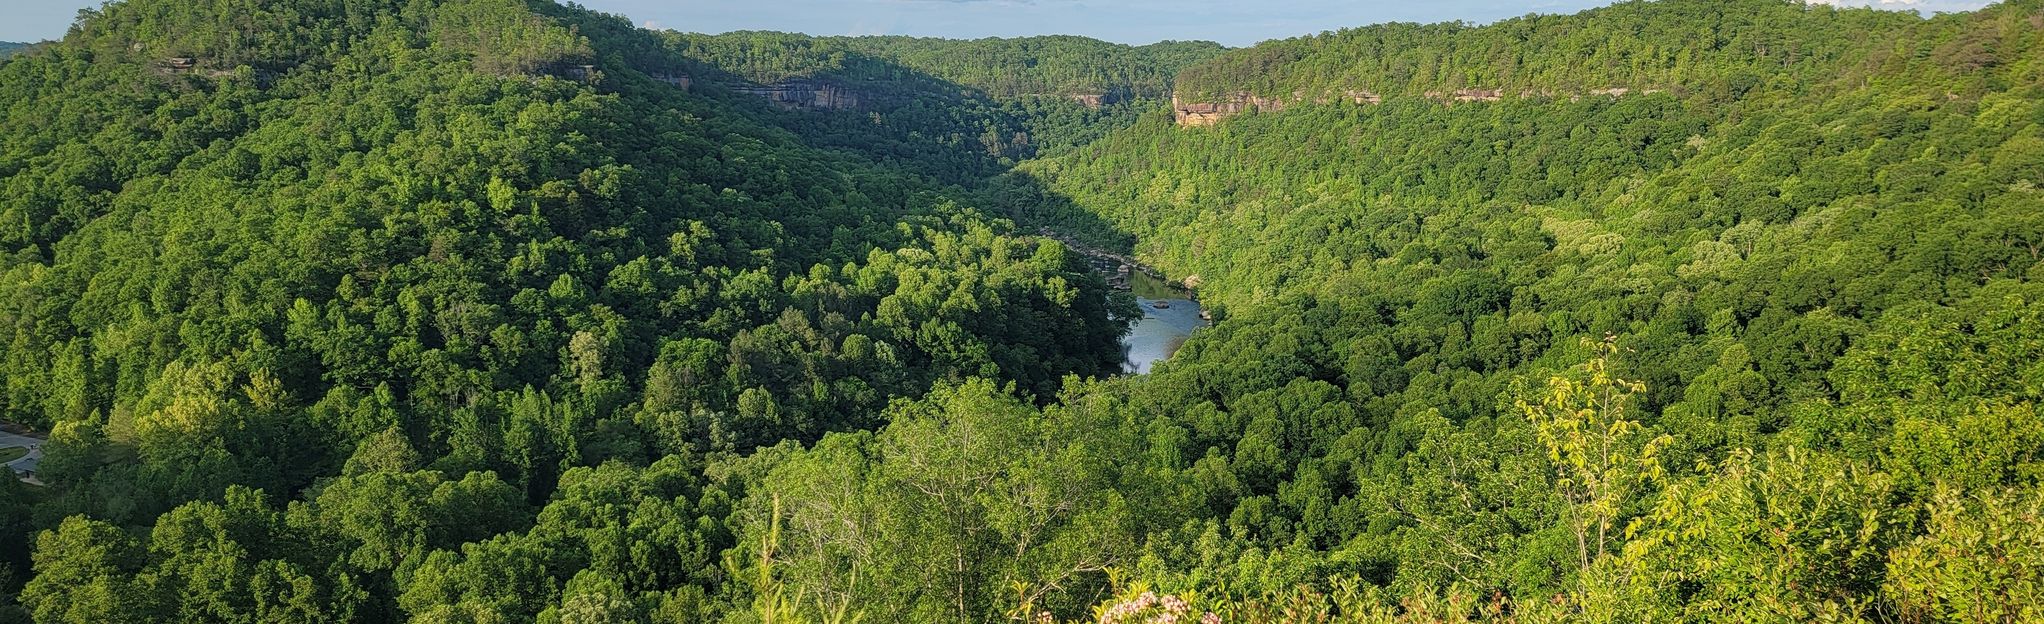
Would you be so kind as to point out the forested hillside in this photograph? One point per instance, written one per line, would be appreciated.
(399, 265)
(9, 48)
(1638, 45)
(959, 110)
(1813, 246)
(471, 311)
(1058, 66)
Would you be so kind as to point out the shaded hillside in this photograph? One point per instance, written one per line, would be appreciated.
(444, 257)
(506, 311)
(980, 105)
(1059, 66)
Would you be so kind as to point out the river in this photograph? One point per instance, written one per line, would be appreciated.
(1170, 315)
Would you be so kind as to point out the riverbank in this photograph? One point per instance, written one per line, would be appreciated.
(1170, 317)
(1121, 271)
(1117, 267)
(1171, 310)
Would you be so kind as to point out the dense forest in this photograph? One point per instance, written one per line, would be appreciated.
(1057, 66)
(470, 311)
(961, 111)
(256, 252)
(8, 48)
(1637, 45)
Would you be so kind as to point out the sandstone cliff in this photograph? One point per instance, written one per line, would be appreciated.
(1093, 100)
(808, 93)
(1210, 113)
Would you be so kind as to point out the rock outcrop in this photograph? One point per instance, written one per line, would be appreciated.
(1210, 113)
(1364, 97)
(185, 65)
(1479, 95)
(578, 73)
(1088, 100)
(804, 93)
(1092, 100)
(673, 79)
(1116, 267)
(1466, 95)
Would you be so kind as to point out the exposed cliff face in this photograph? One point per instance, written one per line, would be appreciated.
(827, 94)
(578, 73)
(1364, 97)
(674, 79)
(1210, 113)
(804, 93)
(181, 65)
(1088, 100)
(1093, 100)
(1467, 95)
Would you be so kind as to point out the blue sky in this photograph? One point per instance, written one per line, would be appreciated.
(1232, 22)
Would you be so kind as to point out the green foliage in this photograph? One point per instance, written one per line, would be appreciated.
(398, 263)
(484, 267)
(1811, 527)
(1054, 66)
(500, 37)
(235, 560)
(1729, 49)
(962, 496)
(1599, 455)
(387, 311)
(959, 111)
(1776, 258)
(1978, 560)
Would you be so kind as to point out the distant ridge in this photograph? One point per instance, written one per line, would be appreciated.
(448, 311)
(1054, 66)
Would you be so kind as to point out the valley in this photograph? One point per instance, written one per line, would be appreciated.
(1170, 311)
(470, 311)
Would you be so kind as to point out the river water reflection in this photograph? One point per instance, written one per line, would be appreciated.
(1169, 317)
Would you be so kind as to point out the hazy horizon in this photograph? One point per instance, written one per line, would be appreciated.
(1133, 22)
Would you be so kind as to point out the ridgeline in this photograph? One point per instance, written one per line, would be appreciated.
(508, 311)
